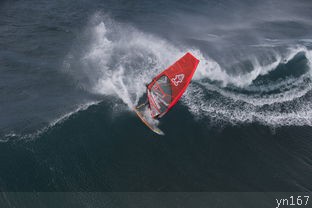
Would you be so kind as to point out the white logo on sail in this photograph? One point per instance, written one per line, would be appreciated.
(177, 79)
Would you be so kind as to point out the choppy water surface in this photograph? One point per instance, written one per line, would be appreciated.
(72, 70)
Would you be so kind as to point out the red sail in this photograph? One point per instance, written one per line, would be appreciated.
(167, 88)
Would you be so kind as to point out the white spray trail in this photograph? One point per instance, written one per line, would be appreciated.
(125, 60)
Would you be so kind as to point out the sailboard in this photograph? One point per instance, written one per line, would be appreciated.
(146, 121)
(165, 90)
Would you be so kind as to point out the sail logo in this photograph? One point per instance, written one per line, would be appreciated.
(177, 79)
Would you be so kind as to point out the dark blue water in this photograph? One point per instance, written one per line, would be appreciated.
(72, 70)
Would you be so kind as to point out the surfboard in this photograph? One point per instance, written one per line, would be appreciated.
(152, 127)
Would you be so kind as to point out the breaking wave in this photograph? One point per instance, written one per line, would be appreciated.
(116, 59)
(280, 101)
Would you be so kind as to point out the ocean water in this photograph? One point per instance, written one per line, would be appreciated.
(70, 72)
